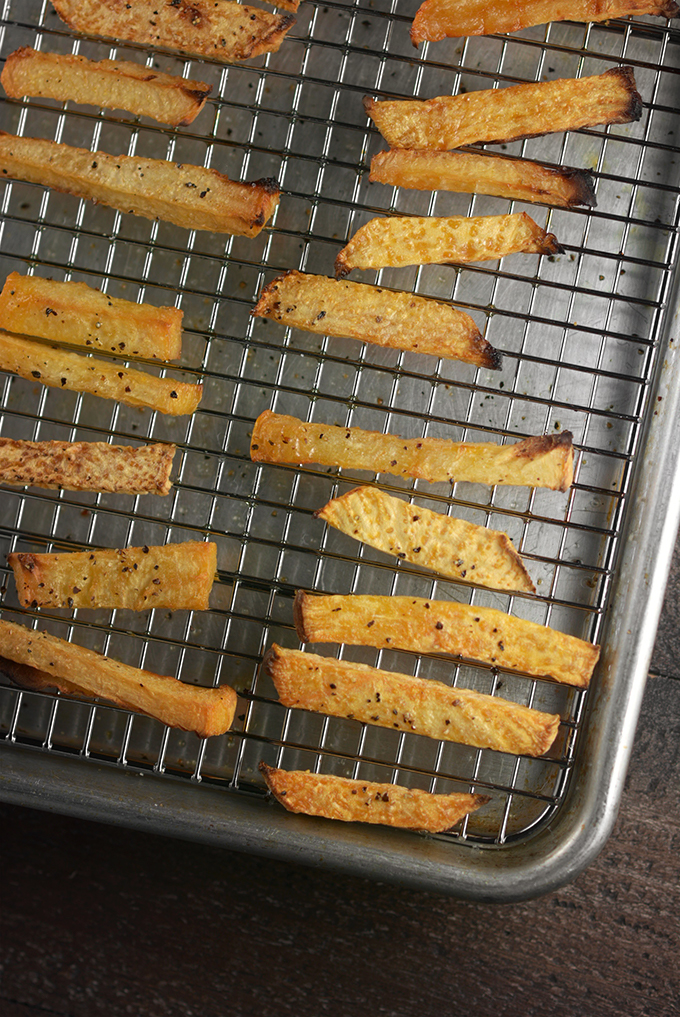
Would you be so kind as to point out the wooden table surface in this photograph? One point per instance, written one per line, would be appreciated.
(101, 920)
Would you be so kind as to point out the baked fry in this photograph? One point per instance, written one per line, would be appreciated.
(506, 114)
(396, 241)
(87, 466)
(76, 314)
(79, 671)
(449, 546)
(431, 626)
(111, 84)
(391, 318)
(543, 461)
(62, 369)
(360, 801)
(174, 576)
(341, 688)
(453, 19)
(477, 173)
(189, 196)
(220, 29)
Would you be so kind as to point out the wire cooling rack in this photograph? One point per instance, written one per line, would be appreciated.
(585, 341)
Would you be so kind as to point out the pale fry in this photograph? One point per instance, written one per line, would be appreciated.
(360, 801)
(445, 19)
(87, 466)
(111, 84)
(189, 196)
(506, 114)
(221, 29)
(391, 318)
(449, 546)
(396, 241)
(63, 369)
(206, 711)
(77, 314)
(173, 576)
(542, 461)
(431, 626)
(341, 688)
(477, 173)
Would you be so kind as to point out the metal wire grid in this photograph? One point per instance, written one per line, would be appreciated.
(579, 333)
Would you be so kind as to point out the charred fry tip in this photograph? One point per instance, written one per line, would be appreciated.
(298, 615)
(494, 358)
(269, 185)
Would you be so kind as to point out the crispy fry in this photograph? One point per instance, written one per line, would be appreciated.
(506, 114)
(174, 576)
(76, 314)
(452, 547)
(391, 318)
(87, 466)
(431, 626)
(221, 29)
(59, 368)
(446, 19)
(111, 84)
(188, 196)
(482, 173)
(341, 688)
(398, 240)
(206, 711)
(360, 801)
(543, 461)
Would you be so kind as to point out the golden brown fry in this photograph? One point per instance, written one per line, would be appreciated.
(73, 313)
(173, 576)
(221, 29)
(431, 626)
(189, 196)
(542, 461)
(111, 84)
(452, 547)
(477, 173)
(506, 114)
(391, 318)
(87, 466)
(360, 801)
(206, 711)
(445, 19)
(59, 368)
(341, 688)
(398, 240)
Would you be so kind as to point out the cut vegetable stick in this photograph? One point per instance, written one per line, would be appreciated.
(360, 801)
(449, 546)
(206, 711)
(174, 576)
(76, 314)
(221, 29)
(62, 369)
(397, 241)
(111, 84)
(391, 318)
(431, 626)
(446, 19)
(476, 173)
(506, 114)
(341, 688)
(189, 196)
(87, 466)
(543, 461)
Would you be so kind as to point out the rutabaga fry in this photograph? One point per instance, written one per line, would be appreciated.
(360, 801)
(542, 461)
(373, 314)
(506, 114)
(432, 626)
(77, 314)
(341, 688)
